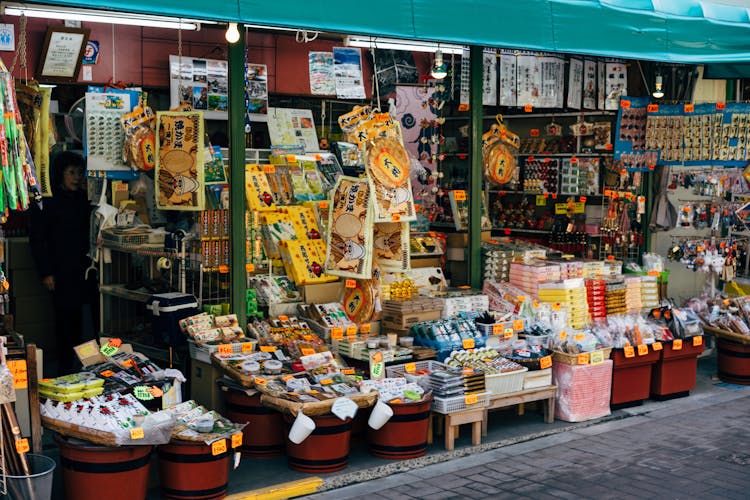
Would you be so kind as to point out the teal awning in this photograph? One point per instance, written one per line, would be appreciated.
(688, 31)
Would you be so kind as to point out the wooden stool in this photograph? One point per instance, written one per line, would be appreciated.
(453, 420)
(545, 394)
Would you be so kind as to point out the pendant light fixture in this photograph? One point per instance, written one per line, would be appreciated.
(233, 33)
(439, 68)
(658, 87)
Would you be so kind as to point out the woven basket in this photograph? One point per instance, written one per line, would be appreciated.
(572, 359)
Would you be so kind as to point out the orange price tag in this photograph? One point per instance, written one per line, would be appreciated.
(337, 333)
(291, 158)
(260, 380)
(247, 347)
(307, 351)
(219, 447)
(417, 208)
(348, 371)
(287, 377)
(652, 108)
(689, 108)
(270, 169)
(721, 105)
(225, 349)
(115, 342)
(471, 399)
(236, 440)
(624, 104)
(497, 329)
(224, 269)
(463, 107)
(156, 392)
(583, 359)
(677, 345)
(629, 351)
(396, 218)
(528, 108)
(518, 325)
(508, 334)
(460, 195)
(267, 348)
(545, 362)
(657, 346)
(642, 350)
(250, 268)
(468, 343)
(107, 373)
(609, 147)
(366, 328)
(327, 381)
(534, 132)
(410, 367)
(351, 330)
(136, 433)
(323, 204)
(697, 341)
(350, 284)
(283, 318)
(22, 446)
(582, 199)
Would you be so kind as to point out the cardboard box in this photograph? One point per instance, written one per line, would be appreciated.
(322, 293)
(461, 240)
(203, 387)
(405, 320)
(421, 262)
(89, 354)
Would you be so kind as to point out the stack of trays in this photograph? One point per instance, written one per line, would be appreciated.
(649, 292)
(527, 277)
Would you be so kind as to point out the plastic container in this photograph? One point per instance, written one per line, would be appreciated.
(505, 383)
(406, 341)
(583, 391)
(379, 416)
(458, 403)
(37, 485)
(166, 310)
(302, 427)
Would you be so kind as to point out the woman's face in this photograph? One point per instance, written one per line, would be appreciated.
(72, 178)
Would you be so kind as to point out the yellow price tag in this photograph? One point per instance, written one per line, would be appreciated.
(348, 371)
(545, 362)
(518, 325)
(677, 344)
(657, 346)
(471, 399)
(327, 381)
(697, 341)
(259, 381)
(219, 447)
(136, 433)
(337, 333)
(225, 349)
(596, 357)
(247, 347)
(508, 334)
(268, 348)
(351, 331)
(468, 343)
(642, 350)
(236, 440)
(366, 328)
(583, 359)
(629, 351)
(497, 329)
(306, 351)
(22, 446)
(410, 367)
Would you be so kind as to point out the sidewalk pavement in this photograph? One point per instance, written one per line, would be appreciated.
(696, 447)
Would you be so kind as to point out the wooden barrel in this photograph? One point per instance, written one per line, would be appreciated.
(325, 450)
(190, 471)
(733, 361)
(264, 435)
(404, 436)
(90, 470)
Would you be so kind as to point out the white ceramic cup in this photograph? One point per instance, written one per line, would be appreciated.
(380, 415)
(301, 428)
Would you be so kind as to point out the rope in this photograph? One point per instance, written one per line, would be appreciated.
(21, 49)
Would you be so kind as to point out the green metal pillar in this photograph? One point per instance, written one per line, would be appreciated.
(236, 56)
(475, 165)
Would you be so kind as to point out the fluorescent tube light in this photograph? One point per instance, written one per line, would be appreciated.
(98, 16)
(395, 44)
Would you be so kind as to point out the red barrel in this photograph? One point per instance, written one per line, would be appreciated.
(405, 434)
(190, 471)
(90, 470)
(264, 435)
(733, 360)
(325, 450)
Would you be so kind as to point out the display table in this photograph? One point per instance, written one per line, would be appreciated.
(546, 394)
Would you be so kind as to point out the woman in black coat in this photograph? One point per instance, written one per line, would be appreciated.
(59, 240)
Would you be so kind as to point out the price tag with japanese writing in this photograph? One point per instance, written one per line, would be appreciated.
(247, 347)
(22, 446)
(468, 343)
(236, 440)
(545, 362)
(596, 357)
(306, 351)
(108, 350)
(471, 399)
(497, 329)
(20, 373)
(350, 283)
(225, 349)
(657, 346)
(268, 348)
(410, 367)
(677, 345)
(351, 331)
(337, 333)
(136, 433)
(366, 328)
(697, 341)
(518, 325)
(629, 351)
(142, 392)
(460, 195)
(583, 359)
(219, 447)
(642, 350)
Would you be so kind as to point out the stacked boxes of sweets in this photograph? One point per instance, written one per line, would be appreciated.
(593, 269)
(207, 332)
(595, 297)
(329, 320)
(504, 297)
(615, 296)
(458, 303)
(569, 294)
(649, 291)
(633, 294)
(528, 276)
(402, 313)
(496, 259)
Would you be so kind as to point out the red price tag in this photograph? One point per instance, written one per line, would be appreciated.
(534, 132)
(582, 199)
(506, 231)
(609, 147)
(689, 108)
(528, 108)
(351, 284)
(574, 160)
(652, 108)
(225, 349)
(625, 104)
(721, 106)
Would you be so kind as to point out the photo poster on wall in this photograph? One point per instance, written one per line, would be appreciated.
(589, 84)
(489, 87)
(322, 81)
(288, 126)
(507, 79)
(575, 83)
(347, 67)
(204, 83)
(256, 88)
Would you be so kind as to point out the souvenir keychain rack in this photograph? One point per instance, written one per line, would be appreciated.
(713, 243)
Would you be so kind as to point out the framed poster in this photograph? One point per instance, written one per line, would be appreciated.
(62, 54)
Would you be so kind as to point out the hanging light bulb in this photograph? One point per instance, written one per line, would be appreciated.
(658, 93)
(439, 68)
(233, 34)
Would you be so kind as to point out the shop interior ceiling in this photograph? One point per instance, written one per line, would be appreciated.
(687, 31)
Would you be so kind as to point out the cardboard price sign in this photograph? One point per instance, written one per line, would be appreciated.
(596, 357)
(629, 351)
(136, 433)
(697, 341)
(545, 362)
(236, 440)
(468, 343)
(219, 447)
(642, 350)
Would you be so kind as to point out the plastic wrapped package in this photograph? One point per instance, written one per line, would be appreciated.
(583, 391)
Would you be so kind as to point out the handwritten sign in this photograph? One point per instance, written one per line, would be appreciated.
(545, 362)
(629, 351)
(642, 350)
(236, 440)
(20, 373)
(219, 447)
(583, 359)
(468, 343)
(471, 399)
(677, 344)
(697, 341)
(136, 433)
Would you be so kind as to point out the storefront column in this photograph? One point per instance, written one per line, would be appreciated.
(236, 56)
(475, 177)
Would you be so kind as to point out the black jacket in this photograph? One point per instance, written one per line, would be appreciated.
(59, 240)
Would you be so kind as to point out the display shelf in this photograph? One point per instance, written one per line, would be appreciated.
(570, 114)
(147, 250)
(425, 255)
(119, 290)
(565, 155)
(521, 230)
